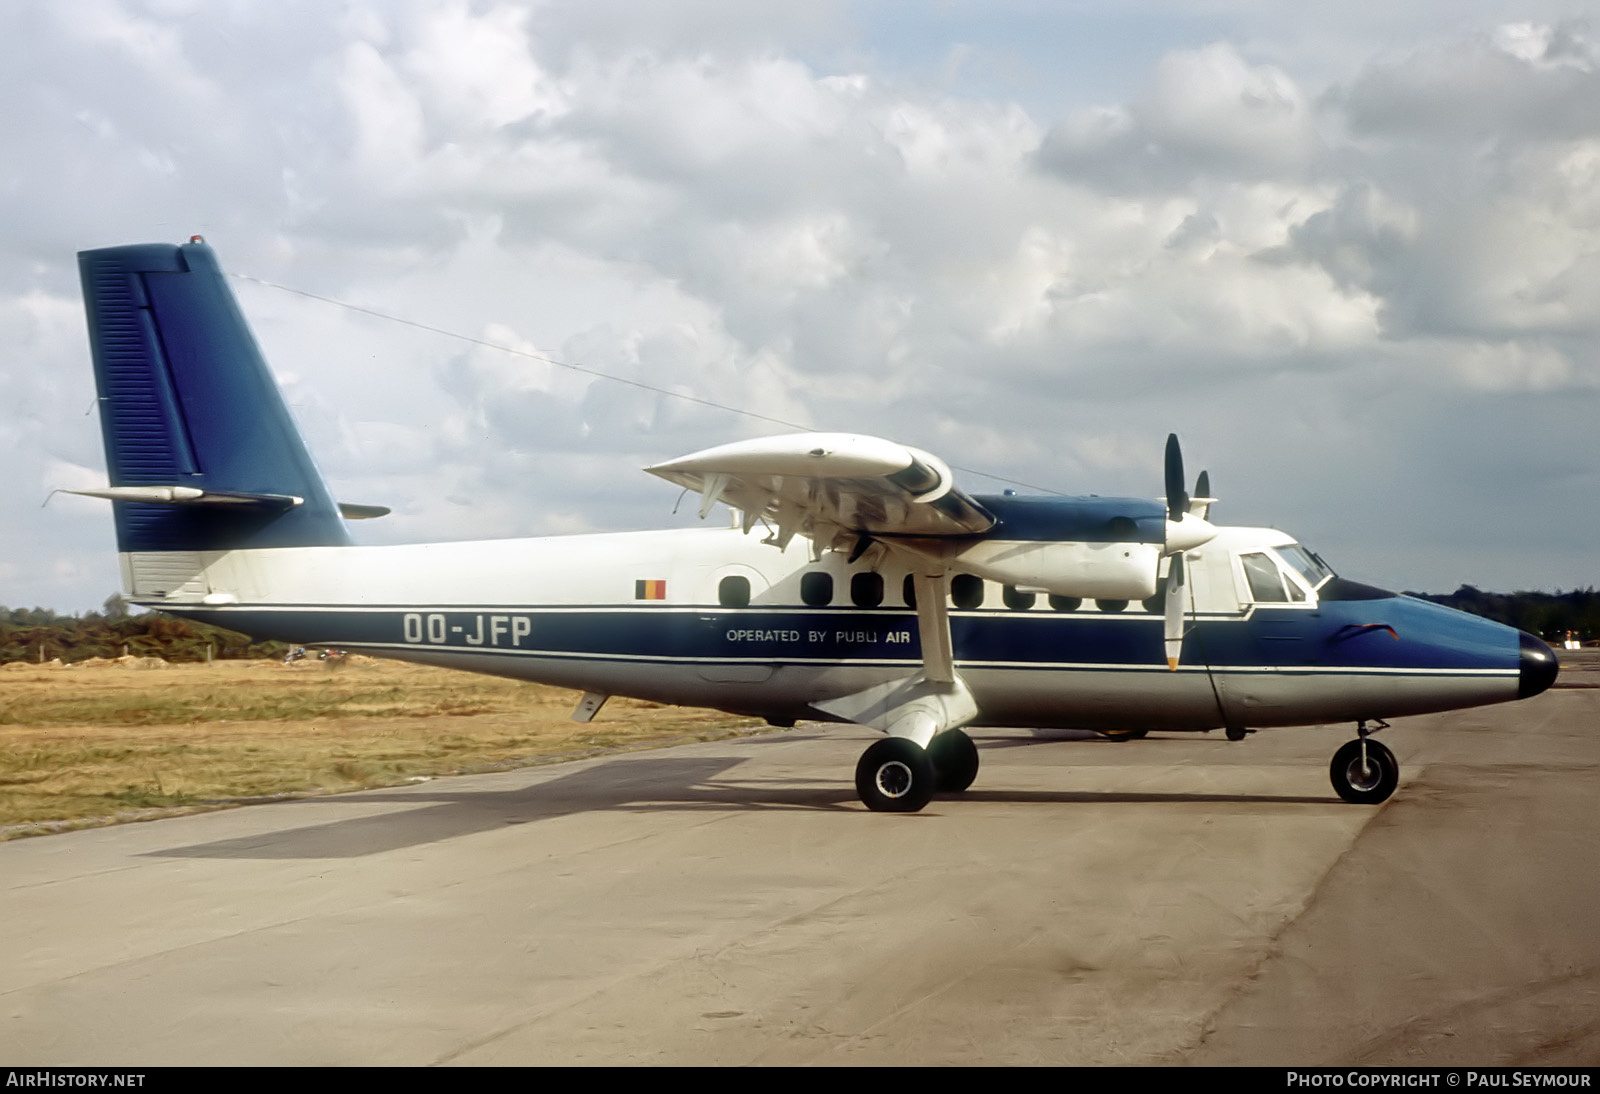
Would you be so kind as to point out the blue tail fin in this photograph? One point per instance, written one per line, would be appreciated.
(186, 401)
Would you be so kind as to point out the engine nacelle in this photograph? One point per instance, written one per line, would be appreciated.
(1091, 571)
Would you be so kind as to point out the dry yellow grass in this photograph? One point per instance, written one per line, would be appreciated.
(96, 744)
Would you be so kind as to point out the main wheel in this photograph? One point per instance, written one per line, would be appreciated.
(955, 761)
(895, 776)
(1368, 780)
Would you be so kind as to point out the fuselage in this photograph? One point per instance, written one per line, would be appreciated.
(879, 592)
(717, 618)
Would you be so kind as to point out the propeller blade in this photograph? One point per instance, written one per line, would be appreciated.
(1200, 504)
(1177, 497)
(1174, 612)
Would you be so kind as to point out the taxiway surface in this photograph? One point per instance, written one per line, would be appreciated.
(1177, 899)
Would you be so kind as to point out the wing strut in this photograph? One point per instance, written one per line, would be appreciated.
(928, 702)
(933, 627)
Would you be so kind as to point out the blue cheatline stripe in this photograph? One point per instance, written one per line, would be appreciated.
(1021, 641)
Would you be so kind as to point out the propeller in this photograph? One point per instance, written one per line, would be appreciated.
(1181, 506)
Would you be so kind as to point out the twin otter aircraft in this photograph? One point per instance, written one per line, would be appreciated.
(877, 593)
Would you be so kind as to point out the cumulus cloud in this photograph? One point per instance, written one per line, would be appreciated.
(1516, 82)
(1204, 113)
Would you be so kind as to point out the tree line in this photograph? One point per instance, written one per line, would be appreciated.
(1551, 616)
(39, 634)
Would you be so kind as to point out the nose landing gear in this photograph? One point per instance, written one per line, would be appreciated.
(1363, 771)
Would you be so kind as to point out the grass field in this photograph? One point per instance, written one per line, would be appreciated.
(96, 744)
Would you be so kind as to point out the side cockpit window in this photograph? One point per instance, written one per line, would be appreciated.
(1268, 584)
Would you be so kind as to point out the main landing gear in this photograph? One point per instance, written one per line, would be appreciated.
(1364, 771)
(896, 775)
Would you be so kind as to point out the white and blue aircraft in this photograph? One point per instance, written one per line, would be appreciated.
(878, 592)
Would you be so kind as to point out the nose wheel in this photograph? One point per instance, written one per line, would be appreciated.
(1364, 771)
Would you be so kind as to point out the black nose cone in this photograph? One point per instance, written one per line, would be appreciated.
(1539, 666)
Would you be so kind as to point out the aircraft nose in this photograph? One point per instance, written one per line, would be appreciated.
(1539, 666)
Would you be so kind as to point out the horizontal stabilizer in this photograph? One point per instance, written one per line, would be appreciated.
(189, 495)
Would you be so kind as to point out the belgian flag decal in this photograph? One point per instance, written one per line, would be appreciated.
(649, 590)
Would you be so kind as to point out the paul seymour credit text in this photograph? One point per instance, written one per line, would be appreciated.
(1455, 1077)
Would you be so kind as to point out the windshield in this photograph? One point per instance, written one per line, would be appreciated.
(1306, 564)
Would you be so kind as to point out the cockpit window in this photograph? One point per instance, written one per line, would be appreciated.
(1266, 583)
(1306, 563)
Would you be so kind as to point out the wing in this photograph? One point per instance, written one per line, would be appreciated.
(843, 489)
(830, 488)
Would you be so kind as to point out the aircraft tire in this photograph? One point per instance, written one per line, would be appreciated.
(895, 776)
(955, 761)
(1367, 786)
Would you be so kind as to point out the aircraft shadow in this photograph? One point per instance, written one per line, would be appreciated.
(1038, 737)
(660, 784)
(642, 783)
(1096, 797)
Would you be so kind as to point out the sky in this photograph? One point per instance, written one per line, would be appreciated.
(1349, 253)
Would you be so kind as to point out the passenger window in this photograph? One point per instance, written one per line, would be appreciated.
(1065, 603)
(866, 589)
(908, 591)
(966, 591)
(1266, 584)
(1017, 600)
(816, 589)
(734, 592)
